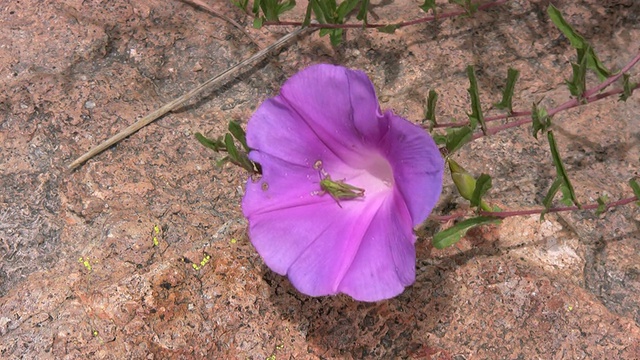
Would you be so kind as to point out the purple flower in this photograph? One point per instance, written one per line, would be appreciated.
(342, 187)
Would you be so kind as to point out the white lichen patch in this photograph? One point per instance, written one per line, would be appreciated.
(544, 243)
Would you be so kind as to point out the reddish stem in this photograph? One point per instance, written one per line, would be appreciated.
(506, 214)
(589, 96)
(375, 26)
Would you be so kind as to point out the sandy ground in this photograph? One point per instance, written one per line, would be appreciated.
(81, 278)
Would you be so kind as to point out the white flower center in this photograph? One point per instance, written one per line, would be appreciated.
(375, 175)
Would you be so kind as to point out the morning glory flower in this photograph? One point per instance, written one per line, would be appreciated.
(343, 185)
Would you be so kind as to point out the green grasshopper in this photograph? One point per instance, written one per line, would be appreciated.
(339, 190)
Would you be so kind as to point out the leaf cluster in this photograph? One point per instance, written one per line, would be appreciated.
(330, 12)
(227, 143)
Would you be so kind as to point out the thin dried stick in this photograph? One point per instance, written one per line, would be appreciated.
(216, 80)
(204, 6)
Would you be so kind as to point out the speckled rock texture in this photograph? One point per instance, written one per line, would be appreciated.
(81, 277)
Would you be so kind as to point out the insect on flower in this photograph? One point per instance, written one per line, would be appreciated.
(337, 189)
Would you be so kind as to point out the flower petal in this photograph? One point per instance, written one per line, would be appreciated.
(417, 166)
(327, 122)
(313, 244)
(385, 262)
(341, 107)
(279, 131)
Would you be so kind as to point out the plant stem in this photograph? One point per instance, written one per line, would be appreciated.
(506, 214)
(375, 26)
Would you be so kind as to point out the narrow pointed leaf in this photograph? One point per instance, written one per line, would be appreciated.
(345, 8)
(256, 8)
(453, 234)
(468, 6)
(319, 10)
(430, 108)
(602, 204)
(429, 5)
(336, 36)
(578, 83)
(636, 189)
(231, 147)
(307, 15)
(627, 87)
(236, 130)
(286, 6)
(457, 137)
(215, 145)
(476, 108)
(389, 29)
(364, 10)
(578, 42)
(257, 22)
(540, 119)
(562, 173)
(507, 94)
(483, 184)
(548, 199)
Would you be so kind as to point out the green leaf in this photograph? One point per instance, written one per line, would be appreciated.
(578, 83)
(429, 5)
(602, 204)
(215, 145)
(236, 156)
(236, 130)
(318, 9)
(242, 4)
(286, 6)
(307, 15)
(335, 36)
(566, 195)
(467, 184)
(548, 199)
(364, 10)
(476, 108)
(562, 173)
(578, 42)
(223, 161)
(483, 184)
(430, 109)
(457, 137)
(627, 87)
(257, 22)
(453, 234)
(345, 8)
(440, 139)
(636, 189)
(507, 94)
(468, 6)
(256, 8)
(388, 29)
(231, 147)
(540, 120)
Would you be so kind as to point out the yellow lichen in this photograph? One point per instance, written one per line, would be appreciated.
(86, 263)
(203, 262)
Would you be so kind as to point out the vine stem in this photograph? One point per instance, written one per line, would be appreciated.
(589, 96)
(506, 214)
(376, 26)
